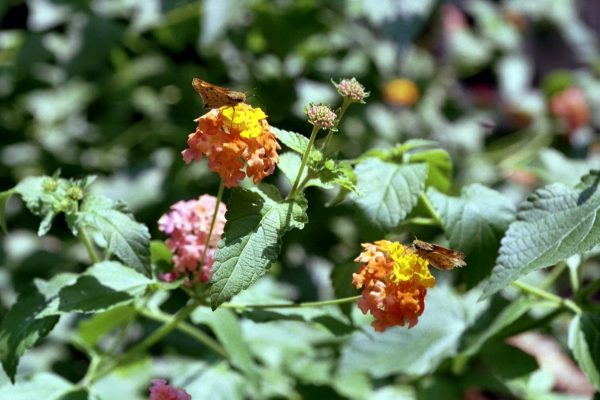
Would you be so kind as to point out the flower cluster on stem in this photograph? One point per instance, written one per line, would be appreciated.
(188, 224)
(234, 138)
(161, 390)
(394, 282)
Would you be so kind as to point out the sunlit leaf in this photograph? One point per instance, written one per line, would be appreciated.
(226, 327)
(584, 342)
(388, 191)
(103, 286)
(554, 223)
(414, 351)
(117, 231)
(474, 223)
(40, 386)
(257, 218)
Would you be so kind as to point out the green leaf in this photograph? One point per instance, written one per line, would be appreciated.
(388, 192)
(289, 164)
(326, 176)
(44, 197)
(397, 152)
(338, 173)
(41, 386)
(24, 324)
(551, 166)
(440, 167)
(116, 231)
(504, 318)
(553, 224)
(508, 362)
(93, 329)
(257, 218)
(292, 346)
(219, 382)
(474, 223)
(103, 286)
(584, 342)
(76, 394)
(21, 329)
(227, 329)
(160, 253)
(4, 197)
(415, 351)
(293, 140)
(268, 291)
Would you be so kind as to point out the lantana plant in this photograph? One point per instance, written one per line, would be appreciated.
(211, 250)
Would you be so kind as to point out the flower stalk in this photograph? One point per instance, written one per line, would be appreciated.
(305, 157)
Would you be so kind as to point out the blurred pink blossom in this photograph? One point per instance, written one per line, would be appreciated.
(161, 390)
(571, 107)
(187, 224)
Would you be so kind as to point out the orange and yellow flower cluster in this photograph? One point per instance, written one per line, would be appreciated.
(394, 280)
(233, 138)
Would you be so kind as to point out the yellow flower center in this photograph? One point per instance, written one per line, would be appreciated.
(408, 265)
(244, 118)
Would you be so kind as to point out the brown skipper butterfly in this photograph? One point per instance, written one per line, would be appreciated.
(216, 96)
(439, 257)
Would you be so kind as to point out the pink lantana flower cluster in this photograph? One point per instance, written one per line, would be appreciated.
(187, 224)
(161, 390)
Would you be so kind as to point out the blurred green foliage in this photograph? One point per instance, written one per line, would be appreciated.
(103, 88)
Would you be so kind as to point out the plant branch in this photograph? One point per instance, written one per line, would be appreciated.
(189, 329)
(85, 239)
(434, 215)
(213, 221)
(170, 324)
(559, 301)
(307, 304)
(305, 157)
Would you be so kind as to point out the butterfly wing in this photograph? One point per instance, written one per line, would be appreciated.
(439, 257)
(215, 96)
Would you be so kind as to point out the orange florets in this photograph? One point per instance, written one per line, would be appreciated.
(233, 138)
(394, 281)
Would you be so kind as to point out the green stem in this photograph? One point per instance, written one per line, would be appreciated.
(559, 301)
(213, 221)
(343, 109)
(574, 278)
(189, 329)
(93, 367)
(307, 304)
(85, 239)
(430, 208)
(420, 221)
(305, 156)
(525, 150)
(170, 324)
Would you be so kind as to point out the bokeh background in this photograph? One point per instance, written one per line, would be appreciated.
(103, 87)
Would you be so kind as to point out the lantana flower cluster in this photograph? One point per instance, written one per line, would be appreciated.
(571, 107)
(352, 89)
(161, 390)
(394, 280)
(320, 115)
(233, 138)
(187, 224)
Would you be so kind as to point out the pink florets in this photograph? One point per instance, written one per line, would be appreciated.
(161, 390)
(352, 89)
(187, 224)
(321, 116)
